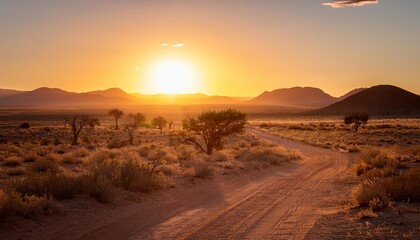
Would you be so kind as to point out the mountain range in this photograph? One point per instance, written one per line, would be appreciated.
(381, 99)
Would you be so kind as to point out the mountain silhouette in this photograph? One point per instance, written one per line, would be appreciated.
(305, 97)
(377, 100)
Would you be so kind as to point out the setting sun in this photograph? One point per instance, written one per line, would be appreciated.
(172, 76)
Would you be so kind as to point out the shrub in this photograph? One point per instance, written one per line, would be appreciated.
(202, 169)
(59, 186)
(44, 165)
(12, 161)
(404, 187)
(13, 203)
(24, 125)
(19, 171)
(369, 190)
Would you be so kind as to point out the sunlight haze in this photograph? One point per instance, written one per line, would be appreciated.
(234, 48)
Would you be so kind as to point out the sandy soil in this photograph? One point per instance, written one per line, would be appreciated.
(282, 202)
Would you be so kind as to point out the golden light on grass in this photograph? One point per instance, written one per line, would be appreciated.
(172, 76)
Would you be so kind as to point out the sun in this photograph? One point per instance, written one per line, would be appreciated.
(173, 76)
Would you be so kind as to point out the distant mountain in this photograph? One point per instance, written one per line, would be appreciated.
(196, 98)
(110, 97)
(377, 100)
(351, 93)
(9, 92)
(112, 92)
(304, 97)
(57, 97)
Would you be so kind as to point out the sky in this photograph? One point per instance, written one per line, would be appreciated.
(220, 47)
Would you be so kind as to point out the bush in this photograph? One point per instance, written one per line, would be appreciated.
(368, 191)
(202, 169)
(13, 203)
(44, 165)
(24, 125)
(12, 161)
(59, 186)
(404, 187)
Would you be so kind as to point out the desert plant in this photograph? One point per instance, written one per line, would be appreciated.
(130, 130)
(92, 122)
(77, 124)
(357, 119)
(137, 119)
(212, 126)
(24, 125)
(116, 113)
(159, 122)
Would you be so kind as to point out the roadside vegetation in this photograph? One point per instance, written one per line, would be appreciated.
(41, 166)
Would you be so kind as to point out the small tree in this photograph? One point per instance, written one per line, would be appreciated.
(212, 126)
(357, 119)
(137, 119)
(130, 130)
(159, 122)
(77, 123)
(170, 123)
(116, 113)
(92, 122)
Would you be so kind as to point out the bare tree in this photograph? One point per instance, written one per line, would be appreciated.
(92, 122)
(159, 122)
(130, 130)
(137, 119)
(212, 126)
(77, 123)
(116, 113)
(357, 119)
(170, 123)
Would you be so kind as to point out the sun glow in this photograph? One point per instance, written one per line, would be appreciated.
(172, 76)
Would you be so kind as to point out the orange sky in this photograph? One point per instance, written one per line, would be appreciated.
(237, 48)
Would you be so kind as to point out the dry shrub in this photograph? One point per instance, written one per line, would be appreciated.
(202, 169)
(219, 156)
(365, 192)
(69, 158)
(98, 187)
(30, 157)
(404, 187)
(13, 203)
(59, 186)
(12, 161)
(18, 171)
(44, 165)
(170, 169)
(378, 164)
(376, 204)
(366, 213)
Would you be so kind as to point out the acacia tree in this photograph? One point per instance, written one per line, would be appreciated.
(357, 119)
(77, 123)
(212, 126)
(116, 113)
(92, 122)
(137, 119)
(159, 122)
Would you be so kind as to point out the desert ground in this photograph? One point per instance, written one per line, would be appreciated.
(283, 178)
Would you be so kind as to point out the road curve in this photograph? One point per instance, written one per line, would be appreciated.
(279, 203)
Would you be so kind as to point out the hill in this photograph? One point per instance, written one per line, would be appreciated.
(351, 93)
(304, 97)
(377, 100)
(57, 97)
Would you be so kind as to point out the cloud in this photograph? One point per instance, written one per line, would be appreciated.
(349, 3)
(177, 45)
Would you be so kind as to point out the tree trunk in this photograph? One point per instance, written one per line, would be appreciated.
(116, 123)
(75, 138)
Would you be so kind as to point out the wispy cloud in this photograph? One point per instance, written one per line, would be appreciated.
(349, 3)
(177, 45)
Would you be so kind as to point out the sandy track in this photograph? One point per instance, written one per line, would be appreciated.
(279, 203)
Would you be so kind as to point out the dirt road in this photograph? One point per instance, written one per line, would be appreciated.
(279, 203)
